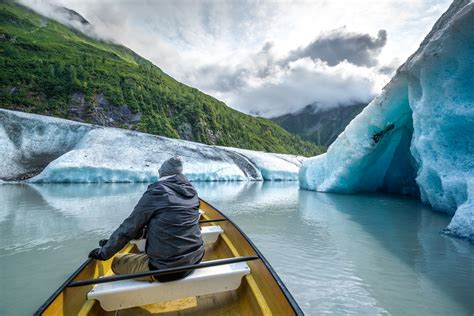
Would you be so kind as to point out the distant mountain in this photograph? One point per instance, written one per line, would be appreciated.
(49, 68)
(319, 125)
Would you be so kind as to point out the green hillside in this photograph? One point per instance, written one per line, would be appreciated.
(50, 69)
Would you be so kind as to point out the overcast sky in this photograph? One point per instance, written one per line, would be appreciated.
(267, 57)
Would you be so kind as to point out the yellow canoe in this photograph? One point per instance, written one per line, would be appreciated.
(234, 279)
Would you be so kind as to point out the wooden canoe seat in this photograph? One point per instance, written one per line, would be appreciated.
(209, 236)
(131, 293)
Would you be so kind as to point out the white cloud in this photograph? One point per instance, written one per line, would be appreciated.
(302, 82)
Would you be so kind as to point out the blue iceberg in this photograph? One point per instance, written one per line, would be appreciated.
(417, 136)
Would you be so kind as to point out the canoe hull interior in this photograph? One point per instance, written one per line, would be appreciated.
(261, 292)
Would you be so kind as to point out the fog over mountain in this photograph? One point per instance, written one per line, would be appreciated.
(319, 125)
(259, 57)
(337, 68)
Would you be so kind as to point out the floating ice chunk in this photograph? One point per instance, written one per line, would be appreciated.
(417, 136)
(112, 155)
(28, 147)
(276, 167)
(58, 150)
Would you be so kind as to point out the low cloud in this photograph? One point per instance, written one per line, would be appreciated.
(114, 23)
(302, 82)
(336, 69)
(61, 14)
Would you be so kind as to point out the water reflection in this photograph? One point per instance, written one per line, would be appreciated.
(337, 254)
(433, 267)
(365, 254)
(395, 248)
(36, 214)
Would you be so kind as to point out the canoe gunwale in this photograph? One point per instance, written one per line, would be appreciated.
(296, 308)
(292, 302)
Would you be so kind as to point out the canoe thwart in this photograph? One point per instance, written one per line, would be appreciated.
(212, 220)
(205, 264)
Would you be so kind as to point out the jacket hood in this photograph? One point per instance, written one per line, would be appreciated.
(179, 184)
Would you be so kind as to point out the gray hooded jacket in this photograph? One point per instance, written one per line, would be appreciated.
(170, 211)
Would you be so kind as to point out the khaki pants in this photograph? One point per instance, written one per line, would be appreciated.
(131, 263)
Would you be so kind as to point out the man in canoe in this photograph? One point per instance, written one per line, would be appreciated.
(169, 210)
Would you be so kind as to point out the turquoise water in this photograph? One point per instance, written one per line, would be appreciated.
(337, 254)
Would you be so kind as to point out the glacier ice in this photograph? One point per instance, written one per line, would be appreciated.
(30, 147)
(417, 136)
(278, 167)
(58, 150)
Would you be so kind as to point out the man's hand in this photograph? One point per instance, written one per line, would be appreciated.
(102, 242)
(95, 254)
